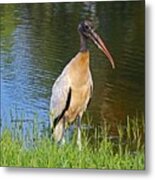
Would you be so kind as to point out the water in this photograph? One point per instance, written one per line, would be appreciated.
(38, 40)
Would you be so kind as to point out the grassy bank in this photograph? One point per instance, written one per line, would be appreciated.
(126, 153)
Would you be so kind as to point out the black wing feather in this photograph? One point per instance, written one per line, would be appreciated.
(57, 119)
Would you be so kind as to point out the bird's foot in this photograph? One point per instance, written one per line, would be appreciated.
(61, 142)
(79, 145)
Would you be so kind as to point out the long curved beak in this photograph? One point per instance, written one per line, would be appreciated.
(101, 45)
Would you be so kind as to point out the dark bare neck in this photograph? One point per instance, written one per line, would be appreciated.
(83, 43)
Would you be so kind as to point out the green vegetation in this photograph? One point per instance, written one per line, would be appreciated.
(127, 152)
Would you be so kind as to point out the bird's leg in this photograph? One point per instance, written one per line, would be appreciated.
(79, 131)
(63, 131)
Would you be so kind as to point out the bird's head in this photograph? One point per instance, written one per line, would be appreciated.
(86, 28)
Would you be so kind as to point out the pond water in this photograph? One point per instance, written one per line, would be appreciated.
(38, 40)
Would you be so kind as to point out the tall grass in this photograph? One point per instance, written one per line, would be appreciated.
(105, 153)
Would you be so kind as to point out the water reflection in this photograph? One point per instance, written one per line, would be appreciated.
(38, 40)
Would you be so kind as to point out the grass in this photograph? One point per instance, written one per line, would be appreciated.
(127, 152)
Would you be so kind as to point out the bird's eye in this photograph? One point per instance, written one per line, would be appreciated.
(87, 27)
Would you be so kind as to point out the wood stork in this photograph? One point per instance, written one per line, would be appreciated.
(73, 89)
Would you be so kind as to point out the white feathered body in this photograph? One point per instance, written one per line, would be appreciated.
(75, 81)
